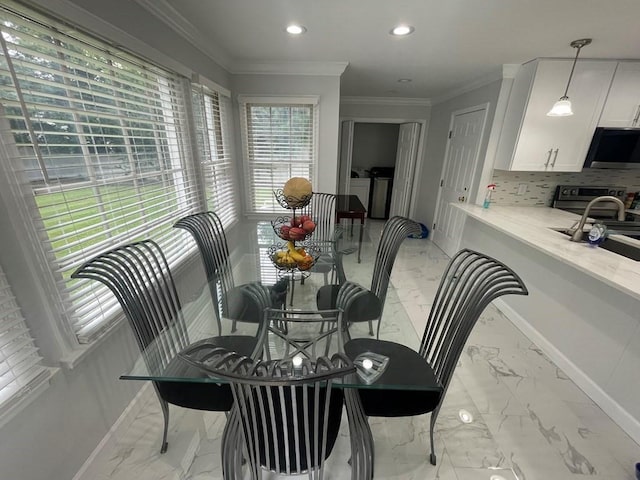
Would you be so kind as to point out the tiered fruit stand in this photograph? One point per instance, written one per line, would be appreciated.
(296, 254)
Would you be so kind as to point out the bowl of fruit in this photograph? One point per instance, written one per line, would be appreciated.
(289, 257)
(295, 229)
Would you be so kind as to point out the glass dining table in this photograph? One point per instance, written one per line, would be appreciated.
(251, 249)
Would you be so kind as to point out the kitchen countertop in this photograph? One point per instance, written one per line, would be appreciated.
(533, 226)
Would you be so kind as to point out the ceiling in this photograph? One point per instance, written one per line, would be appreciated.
(455, 43)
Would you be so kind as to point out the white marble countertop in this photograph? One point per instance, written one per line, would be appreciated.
(533, 226)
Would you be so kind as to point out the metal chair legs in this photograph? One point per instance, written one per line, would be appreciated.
(434, 416)
(165, 413)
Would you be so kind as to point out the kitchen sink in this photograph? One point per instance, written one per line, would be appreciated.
(629, 229)
(612, 245)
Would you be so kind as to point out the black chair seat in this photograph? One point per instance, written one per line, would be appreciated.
(363, 309)
(406, 367)
(201, 395)
(323, 264)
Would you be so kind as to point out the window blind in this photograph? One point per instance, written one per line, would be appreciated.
(101, 148)
(280, 143)
(213, 125)
(21, 369)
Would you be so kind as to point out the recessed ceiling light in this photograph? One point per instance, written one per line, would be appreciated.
(401, 30)
(404, 80)
(294, 29)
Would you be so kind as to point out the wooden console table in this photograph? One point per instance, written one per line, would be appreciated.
(350, 206)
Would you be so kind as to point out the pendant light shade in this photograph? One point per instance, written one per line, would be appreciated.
(562, 108)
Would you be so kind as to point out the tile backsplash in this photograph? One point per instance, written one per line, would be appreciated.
(541, 186)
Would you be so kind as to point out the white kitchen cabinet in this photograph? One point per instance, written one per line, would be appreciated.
(360, 187)
(532, 141)
(622, 107)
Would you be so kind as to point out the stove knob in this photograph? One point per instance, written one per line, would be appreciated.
(620, 193)
(612, 192)
(574, 191)
(565, 191)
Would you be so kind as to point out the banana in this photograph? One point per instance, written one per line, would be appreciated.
(296, 256)
(293, 253)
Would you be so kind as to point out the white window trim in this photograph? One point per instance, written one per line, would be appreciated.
(69, 350)
(243, 100)
(280, 99)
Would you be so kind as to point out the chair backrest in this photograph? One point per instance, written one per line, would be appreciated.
(322, 209)
(286, 415)
(208, 233)
(395, 231)
(471, 281)
(301, 333)
(138, 274)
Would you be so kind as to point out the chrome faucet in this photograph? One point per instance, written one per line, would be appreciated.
(576, 230)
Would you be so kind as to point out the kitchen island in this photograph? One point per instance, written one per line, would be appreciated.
(583, 310)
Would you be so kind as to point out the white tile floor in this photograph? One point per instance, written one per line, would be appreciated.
(530, 421)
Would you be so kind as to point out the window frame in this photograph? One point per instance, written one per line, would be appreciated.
(224, 159)
(185, 194)
(302, 100)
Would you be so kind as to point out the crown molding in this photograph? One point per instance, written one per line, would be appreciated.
(289, 68)
(162, 10)
(403, 101)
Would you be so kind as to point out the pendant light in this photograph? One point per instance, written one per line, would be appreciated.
(562, 108)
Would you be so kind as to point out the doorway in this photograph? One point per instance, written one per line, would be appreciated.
(460, 164)
(378, 160)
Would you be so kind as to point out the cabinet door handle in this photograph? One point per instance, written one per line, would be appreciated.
(635, 119)
(546, 164)
(555, 157)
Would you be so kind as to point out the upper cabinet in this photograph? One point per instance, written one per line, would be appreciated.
(532, 141)
(622, 108)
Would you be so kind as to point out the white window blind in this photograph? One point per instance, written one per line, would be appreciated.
(280, 143)
(213, 126)
(21, 369)
(101, 150)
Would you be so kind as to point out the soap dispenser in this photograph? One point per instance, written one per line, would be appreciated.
(487, 198)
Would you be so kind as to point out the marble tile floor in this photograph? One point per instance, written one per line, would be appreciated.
(530, 421)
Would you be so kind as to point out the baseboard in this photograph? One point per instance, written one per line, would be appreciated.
(129, 414)
(612, 408)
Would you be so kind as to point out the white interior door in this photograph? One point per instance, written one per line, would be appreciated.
(458, 170)
(346, 150)
(406, 157)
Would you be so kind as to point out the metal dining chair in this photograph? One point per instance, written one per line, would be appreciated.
(139, 276)
(232, 301)
(287, 414)
(322, 209)
(369, 307)
(471, 281)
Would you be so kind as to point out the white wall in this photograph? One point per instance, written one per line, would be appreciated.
(140, 32)
(437, 141)
(382, 110)
(327, 87)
